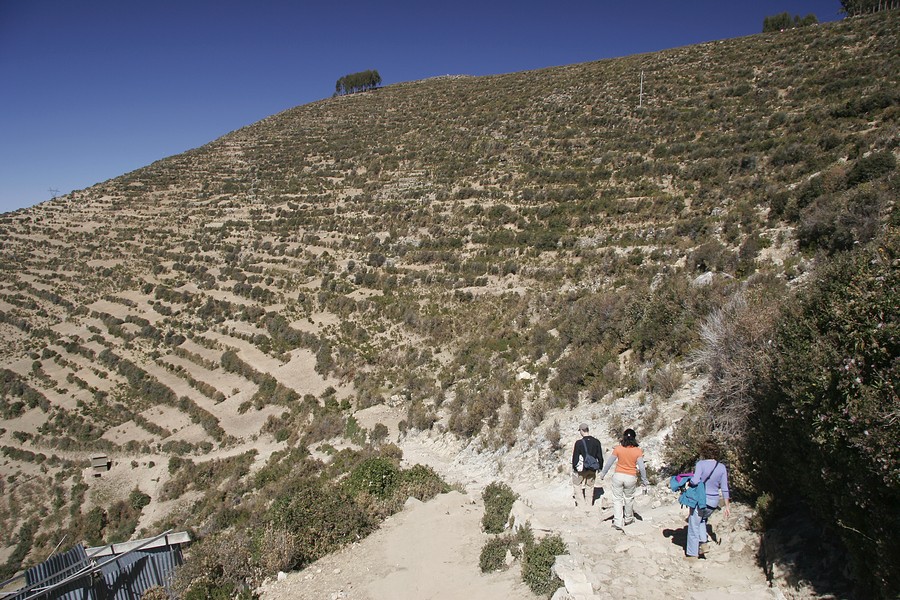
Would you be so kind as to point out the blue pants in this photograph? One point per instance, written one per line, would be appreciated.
(696, 533)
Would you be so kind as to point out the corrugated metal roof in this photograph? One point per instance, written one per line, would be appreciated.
(133, 574)
(54, 570)
(76, 575)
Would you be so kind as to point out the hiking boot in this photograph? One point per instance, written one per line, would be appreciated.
(704, 547)
(690, 558)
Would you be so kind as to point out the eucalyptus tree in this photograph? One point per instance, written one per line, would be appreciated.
(357, 82)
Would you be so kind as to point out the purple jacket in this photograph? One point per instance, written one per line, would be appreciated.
(718, 480)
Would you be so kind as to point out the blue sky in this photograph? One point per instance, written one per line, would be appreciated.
(93, 89)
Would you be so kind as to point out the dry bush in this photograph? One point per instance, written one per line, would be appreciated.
(155, 593)
(664, 381)
(277, 549)
(652, 417)
(219, 563)
(683, 442)
(553, 435)
(320, 517)
(733, 353)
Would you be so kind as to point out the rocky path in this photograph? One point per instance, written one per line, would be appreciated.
(431, 550)
(646, 560)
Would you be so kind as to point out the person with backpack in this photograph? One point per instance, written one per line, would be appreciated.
(714, 475)
(629, 459)
(585, 464)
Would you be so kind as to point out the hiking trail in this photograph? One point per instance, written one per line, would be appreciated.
(431, 550)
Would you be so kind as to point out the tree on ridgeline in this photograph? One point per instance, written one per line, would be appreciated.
(357, 82)
(853, 8)
(783, 21)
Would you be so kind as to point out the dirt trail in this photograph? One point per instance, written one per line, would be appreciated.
(431, 550)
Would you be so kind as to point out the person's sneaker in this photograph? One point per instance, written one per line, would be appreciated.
(691, 558)
(704, 548)
(618, 528)
(629, 521)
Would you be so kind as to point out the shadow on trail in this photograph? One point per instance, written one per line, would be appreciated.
(679, 536)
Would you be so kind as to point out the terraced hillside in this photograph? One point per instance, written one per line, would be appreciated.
(473, 250)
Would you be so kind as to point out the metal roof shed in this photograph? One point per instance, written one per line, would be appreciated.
(112, 572)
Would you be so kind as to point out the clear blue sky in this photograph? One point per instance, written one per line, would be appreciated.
(92, 89)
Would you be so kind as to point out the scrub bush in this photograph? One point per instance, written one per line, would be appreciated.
(831, 401)
(493, 553)
(218, 566)
(321, 518)
(498, 500)
(871, 167)
(377, 476)
(422, 483)
(537, 563)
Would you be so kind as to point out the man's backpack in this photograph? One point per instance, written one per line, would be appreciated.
(591, 463)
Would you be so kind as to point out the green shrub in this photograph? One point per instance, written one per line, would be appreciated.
(377, 476)
(422, 483)
(493, 553)
(537, 563)
(23, 547)
(138, 499)
(865, 105)
(320, 517)
(789, 154)
(871, 167)
(379, 433)
(122, 520)
(831, 398)
(217, 566)
(498, 501)
(94, 523)
(838, 223)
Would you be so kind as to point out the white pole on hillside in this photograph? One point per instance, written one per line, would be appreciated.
(641, 97)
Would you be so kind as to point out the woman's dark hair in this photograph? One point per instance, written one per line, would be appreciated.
(709, 448)
(629, 438)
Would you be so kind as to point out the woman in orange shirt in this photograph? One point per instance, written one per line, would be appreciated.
(629, 459)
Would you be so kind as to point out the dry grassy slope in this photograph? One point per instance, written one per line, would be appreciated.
(418, 241)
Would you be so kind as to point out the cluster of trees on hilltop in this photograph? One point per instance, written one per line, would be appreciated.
(785, 21)
(357, 82)
(861, 7)
(851, 8)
